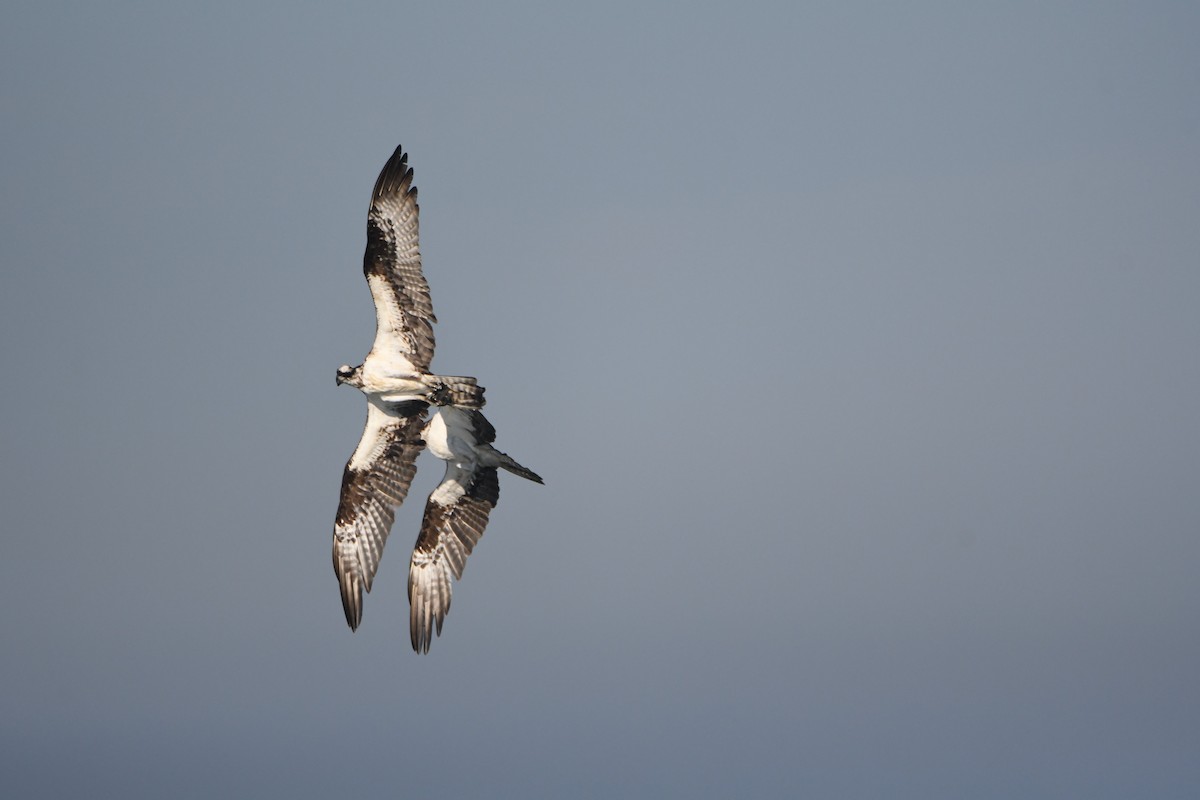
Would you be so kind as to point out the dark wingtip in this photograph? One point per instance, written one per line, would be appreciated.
(353, 608)
(395, 176)
(420, 637)
(351, 592)
(422, 623)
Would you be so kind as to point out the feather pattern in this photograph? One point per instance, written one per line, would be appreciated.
(374, 483)
(455, 516)
(392, 264)
(396, 379)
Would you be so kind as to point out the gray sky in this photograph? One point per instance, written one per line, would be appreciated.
(857, 345)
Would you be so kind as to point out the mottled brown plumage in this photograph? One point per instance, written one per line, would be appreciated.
(448, 535)
(374, 483)
(403, 309)
(455, 514)
(399, 387)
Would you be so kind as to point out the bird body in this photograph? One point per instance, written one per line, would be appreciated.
(455, 514)
(396, 379)
(463, 437)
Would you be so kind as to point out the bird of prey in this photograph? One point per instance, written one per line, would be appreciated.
(400, 389)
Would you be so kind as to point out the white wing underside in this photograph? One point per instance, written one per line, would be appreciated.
(394, 350)
(375, 482)
(455, 517)
(396, 378)
(392, 264)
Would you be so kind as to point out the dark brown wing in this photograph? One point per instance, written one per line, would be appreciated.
(455, 516)
(392, 263)
(375, 482)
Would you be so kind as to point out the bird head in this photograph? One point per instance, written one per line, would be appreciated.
(350, 375)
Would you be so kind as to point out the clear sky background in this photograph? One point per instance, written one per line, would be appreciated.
(857, 344)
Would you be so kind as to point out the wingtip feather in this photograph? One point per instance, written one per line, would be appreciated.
(352, 603)
(395, 177)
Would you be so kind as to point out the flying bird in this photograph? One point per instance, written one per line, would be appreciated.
(400, 390)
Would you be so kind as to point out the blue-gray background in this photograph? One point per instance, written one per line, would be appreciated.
(857, 344)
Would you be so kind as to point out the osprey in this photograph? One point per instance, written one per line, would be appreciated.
(400, 389)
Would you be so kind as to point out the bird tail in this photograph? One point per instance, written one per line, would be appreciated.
(455, 390)
(509, 463)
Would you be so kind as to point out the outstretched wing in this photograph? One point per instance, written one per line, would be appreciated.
(392, 263)
(375, 482)
(455, 516)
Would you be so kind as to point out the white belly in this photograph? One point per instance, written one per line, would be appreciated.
(391, 380)
(449, 436)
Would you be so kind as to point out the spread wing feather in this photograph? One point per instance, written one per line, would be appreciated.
(392, 263)
(374, 483)
(455, 515)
